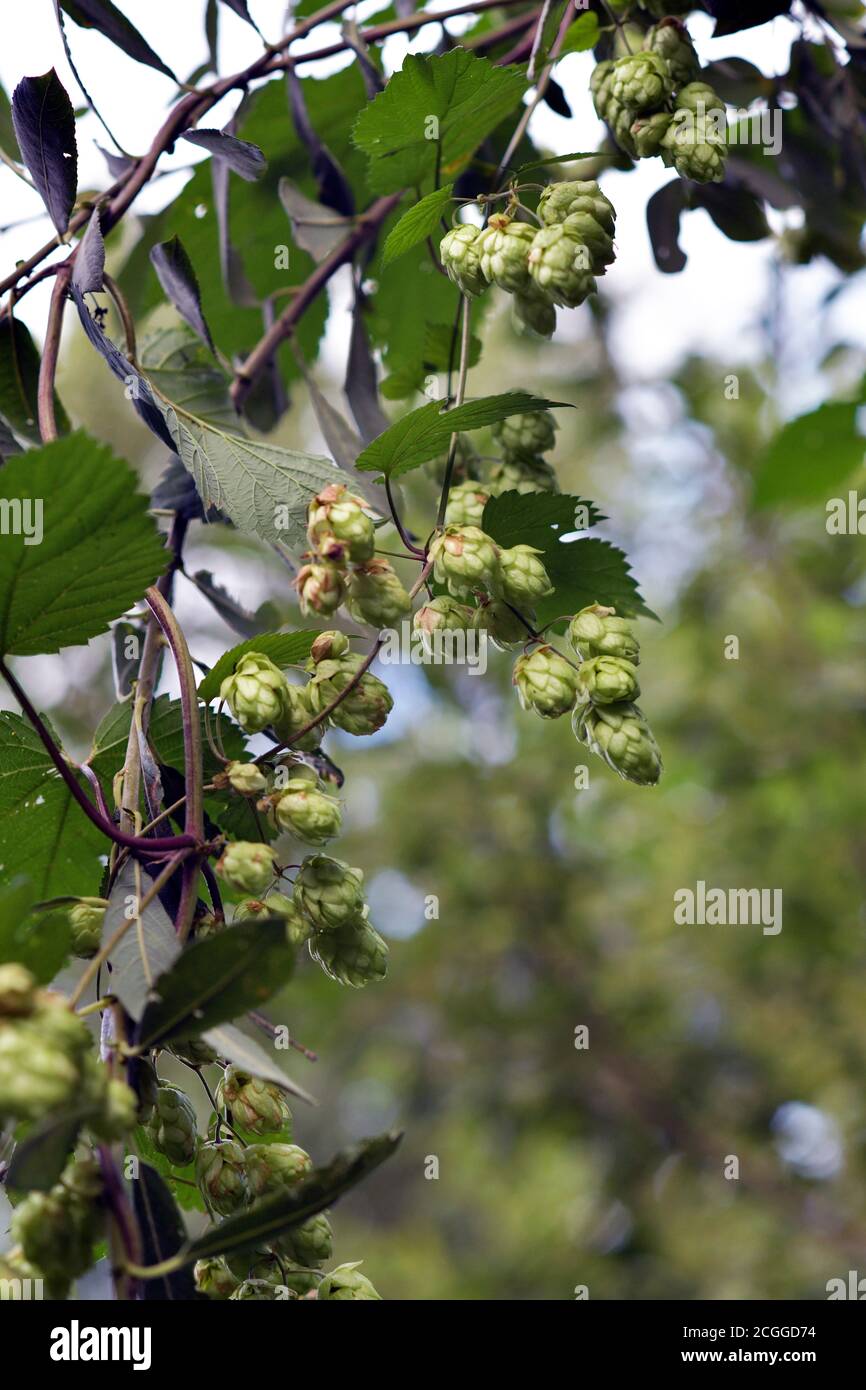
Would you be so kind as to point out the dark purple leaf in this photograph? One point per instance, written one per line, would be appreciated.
(118, 164)
(245, 159)
(555, 98)
(663, 220)
(163, 1234)
(178, 280)
(733, 15)
(268, 400)
(45, 129)
(108, 20)
(90, 258)
(735, 211)
(237, 285)
(334, 188)
(240, 8)
(373, 81)
(137, 387)
(361, 385)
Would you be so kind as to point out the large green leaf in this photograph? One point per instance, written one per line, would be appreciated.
(582, 571)
(39, 940)
(19, 379)
(98, 552)
(283, 648)
(417, 224)
(268, 1218)
(425, 432)
(215, 981)
(810, 455)
(453, 100)
(43, 833)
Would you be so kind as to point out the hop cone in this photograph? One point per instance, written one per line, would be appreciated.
(523, 475)
(648, 133)
(247, 866)
(466, 503)
(464, 558)
(277, 905)
(345, 1283)
(562, 200)
(17, 991)
(119, 1112)
(321, 588)
(304, 811)
(459, 254)
(606, 680)
(697, 150)
(246, 778)
(465, 463)
(597, 631)
(375, 594)
(533, 433)
(328, 646)
(328, 891)
(641, 81)
(621, 736)
(353, 954)
(172, 1127)
(56, 1233)
(220, 1172)
(214, 1278)
(297, 713)
(524, 579)
(534, 311)
(442, 614)
(599, 242)
(42, 1061)
(255, 1105)
(546, 682)
(311, 1243)
(257, 1290)
(274, 1167)
(504, 248)
(85, 921)
(366, 706)
(502, 625)
(702, 100)
(670, 40)
(254, 692)
(338, 527)
(561, 265)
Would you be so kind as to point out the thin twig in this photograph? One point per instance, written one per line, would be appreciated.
(465, 342)
(50, 353)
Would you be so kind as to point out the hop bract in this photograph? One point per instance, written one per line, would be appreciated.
(546, 683)
(258, 1106)
(247, 866)
(504, 247)
(254, 692)
(561, 265)
(353, 954)
(622, 737)
(338, 526)
(321, 588)
(328, 891)
(460, 257)
(465, 559)
(597, 631)
(221, 1174)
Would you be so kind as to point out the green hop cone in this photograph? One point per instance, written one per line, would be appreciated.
(599, 242)
(606, 680)
(648, 133)
(460, 257)
(695, 147)
(597, 631)
(346, 1283)
(302, 810)
(209, 924)
(562, 200)
(338, 526)
(214, 1278)
(366, 706)
(670, 40)
(533, 311)
(702, 100)
(277, 905)
(622, 737)
(254, 692)
(259, 1107)
(297, 713)
(220, 1171)
(246, 778)
(523, 578)
(440, 615)
(17, 991)
(85, 922)
(523, 475)
(119, 1114)
(546, 683)
(310, 1243)
(561, 266)
(600, 85)
(466, 503)
(465, 559)
(328, 892)
(502, 625)
(353, 954)
(376, 595)
(247, 866)
(641, 81)
(321, 588)
(172, 1128)
(504, 247)
(274, 1167)
(42, 1060)
(56, 1235)
(328, 646)
(529, 434)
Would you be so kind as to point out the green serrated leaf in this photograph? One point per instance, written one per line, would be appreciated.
(417, 224)
(582, 571)
(214, 981)
(43, 833)
(268, 1218)
(425, 432)
(283, 648)
(580, 35)
(464, 95)
(810, 455)
(98, 552)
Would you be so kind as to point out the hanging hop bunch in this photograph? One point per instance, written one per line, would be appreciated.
(655, 104)
(334, 669)
(605, 716)
(259, 1107)
(523, 440)
(342, 567)
(57, 1229)
(329, 895)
